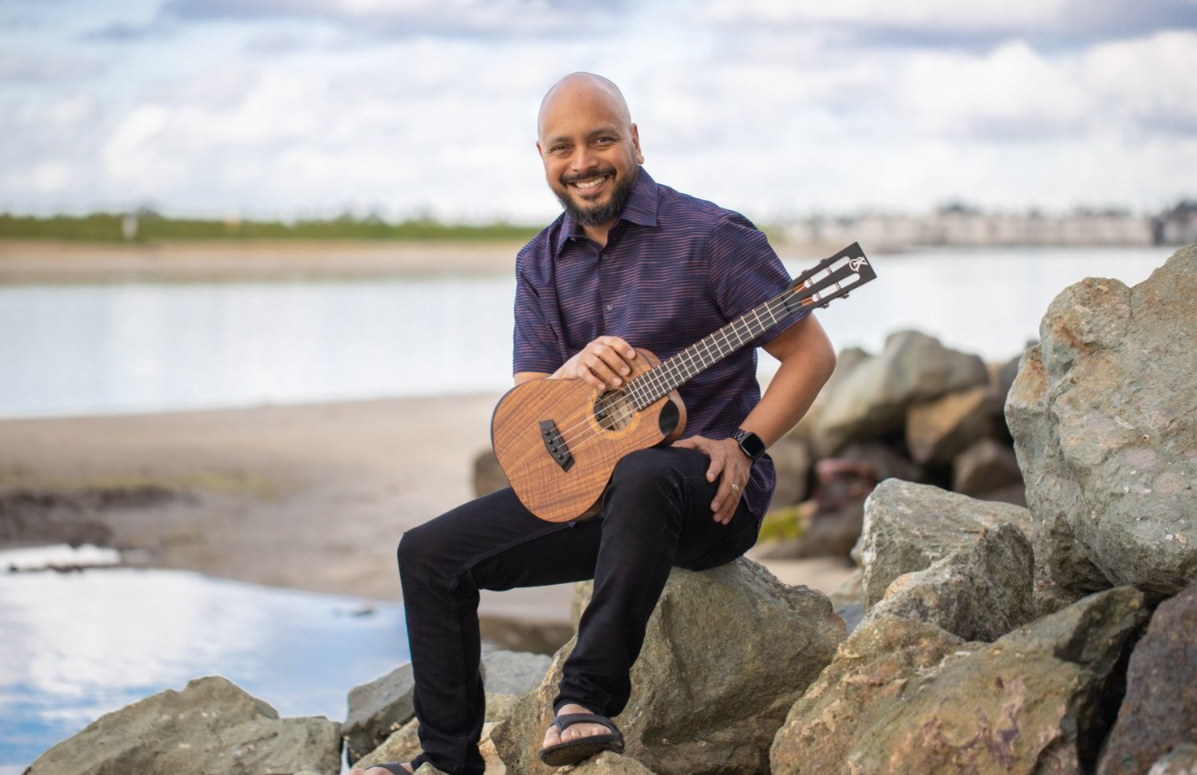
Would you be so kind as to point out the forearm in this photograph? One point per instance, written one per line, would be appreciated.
(798, 381)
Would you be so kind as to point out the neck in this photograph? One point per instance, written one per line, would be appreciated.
(599, 233)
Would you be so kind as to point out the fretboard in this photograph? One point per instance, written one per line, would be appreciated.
(683, 366)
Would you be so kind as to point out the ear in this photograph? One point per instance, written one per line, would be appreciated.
(539, 150)
(636, 144)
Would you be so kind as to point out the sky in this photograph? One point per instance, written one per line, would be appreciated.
(775, 108)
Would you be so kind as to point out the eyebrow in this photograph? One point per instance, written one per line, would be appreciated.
(607, 130)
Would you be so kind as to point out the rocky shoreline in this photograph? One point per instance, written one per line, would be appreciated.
(1060, 637)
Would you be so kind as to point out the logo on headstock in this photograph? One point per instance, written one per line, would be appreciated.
(855, 263)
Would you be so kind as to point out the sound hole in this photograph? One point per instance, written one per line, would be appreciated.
(613, 410)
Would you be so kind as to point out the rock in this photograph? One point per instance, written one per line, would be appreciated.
(829, 534)
(1014, 494)
(376, 709)
(909, 526)
(609, 763)
(212, 727)
(852, 614)
(428, 769)
(872, 399)
(404, 745)
(884, 462)
(488, 474)
(694, 707)
(938, 430)
(1101, 414)
(986, 466)
(845, 362)
(979, 592)
(1181, 760)
(792, 459)
(850, 591)
(1160, 709)
(905, 697)
(513, 672)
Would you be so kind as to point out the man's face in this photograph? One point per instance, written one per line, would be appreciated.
(591, 154)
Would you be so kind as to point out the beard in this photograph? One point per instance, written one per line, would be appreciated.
(597, 215)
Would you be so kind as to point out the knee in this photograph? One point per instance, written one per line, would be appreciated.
(411, 548)
(645, 471)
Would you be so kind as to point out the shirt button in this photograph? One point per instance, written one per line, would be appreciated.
(610, 307)
(602, 256)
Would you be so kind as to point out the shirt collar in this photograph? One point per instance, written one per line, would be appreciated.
(641, 209)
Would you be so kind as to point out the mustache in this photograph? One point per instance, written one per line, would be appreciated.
(588, 175)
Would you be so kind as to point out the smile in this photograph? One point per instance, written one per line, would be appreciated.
(590, 185)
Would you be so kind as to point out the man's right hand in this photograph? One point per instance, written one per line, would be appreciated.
(604, 363)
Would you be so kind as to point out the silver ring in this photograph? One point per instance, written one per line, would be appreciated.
(736, 487)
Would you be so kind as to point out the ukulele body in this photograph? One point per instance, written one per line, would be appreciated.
(558, 440)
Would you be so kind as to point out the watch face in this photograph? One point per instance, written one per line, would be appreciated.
(753, 445)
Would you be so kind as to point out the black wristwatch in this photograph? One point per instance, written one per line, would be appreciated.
(750, 444)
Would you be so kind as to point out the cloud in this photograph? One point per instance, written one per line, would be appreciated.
(947, 23)
(25, 67)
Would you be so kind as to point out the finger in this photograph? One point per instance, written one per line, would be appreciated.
(715, 469)
(613, 360)
(600, 370)
(728, 509)
(721, 495)
(624, 349)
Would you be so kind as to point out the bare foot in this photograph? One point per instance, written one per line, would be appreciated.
(573, 731)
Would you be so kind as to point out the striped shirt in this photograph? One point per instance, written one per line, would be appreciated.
(674, 270)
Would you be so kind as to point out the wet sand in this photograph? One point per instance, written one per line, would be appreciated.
(310, 497)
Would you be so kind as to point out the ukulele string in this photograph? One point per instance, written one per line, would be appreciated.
(628, 409)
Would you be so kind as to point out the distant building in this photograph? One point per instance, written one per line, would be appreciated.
(1178, 226)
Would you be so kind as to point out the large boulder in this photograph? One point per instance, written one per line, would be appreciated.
(376, 709)
(904, 696)
(1181, 760)
(1102, 417)
(694, 707)
(986, 466)
(212, 727)
(938, 430)
(404, 745)
(381, 708)
(871, 400)
(909, 526)
(1160, 709)
(979, 592)
(792, 461)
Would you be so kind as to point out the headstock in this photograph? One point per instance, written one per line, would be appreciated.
(831, 278)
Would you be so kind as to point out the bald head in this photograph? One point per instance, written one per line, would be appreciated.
(583, 89)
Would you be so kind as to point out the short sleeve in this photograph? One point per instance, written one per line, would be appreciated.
(535, 344)
(745, 272)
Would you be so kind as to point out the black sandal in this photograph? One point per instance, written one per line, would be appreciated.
(574, 751)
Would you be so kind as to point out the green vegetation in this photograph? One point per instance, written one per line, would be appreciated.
(782, 524)
(150, 227)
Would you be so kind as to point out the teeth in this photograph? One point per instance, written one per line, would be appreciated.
(591, 183)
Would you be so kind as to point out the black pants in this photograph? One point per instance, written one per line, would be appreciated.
(656, 515)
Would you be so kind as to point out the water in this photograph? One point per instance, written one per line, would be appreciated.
(158, 346)
(78, 645)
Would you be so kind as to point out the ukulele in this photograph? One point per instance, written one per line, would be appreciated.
(558, 440)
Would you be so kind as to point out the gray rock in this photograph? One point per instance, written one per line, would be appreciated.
(985, 467)
(513, 672)
(873, 397)
(909, 526)
(792, 459)
(694, 707)
(212, 727)
(404, 745)
(488, 474)
(845, 362)
(1160, 708)
(904, 697)
(1101, 414)
(850, 591)
(1181, 760)
(938, 430)
(884, 462)
(979, 592)
(608, 763)
(376, 709)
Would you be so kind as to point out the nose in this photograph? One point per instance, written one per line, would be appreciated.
(583, 159)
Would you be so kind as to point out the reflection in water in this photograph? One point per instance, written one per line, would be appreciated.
(146, 346)
(78, 645)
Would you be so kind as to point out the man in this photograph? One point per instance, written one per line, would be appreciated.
(628, 263)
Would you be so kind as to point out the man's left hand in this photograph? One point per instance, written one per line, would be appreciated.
(728, 459)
